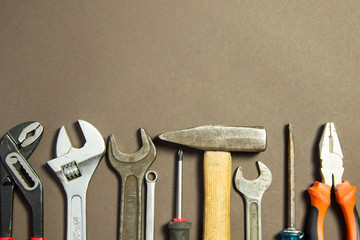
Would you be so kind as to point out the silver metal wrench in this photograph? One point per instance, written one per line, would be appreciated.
(252, 192)
(74, 167)
(150, 205)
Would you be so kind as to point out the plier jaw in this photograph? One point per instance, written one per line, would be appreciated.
(15, 148)
(331, 156)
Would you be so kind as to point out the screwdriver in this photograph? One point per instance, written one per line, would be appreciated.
(291, 233)
(179, 228)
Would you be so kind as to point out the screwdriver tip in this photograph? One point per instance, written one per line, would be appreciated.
(180, 154)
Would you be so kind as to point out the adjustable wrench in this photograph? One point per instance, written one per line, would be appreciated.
(252, 191)
(74, 168)
(131, 168)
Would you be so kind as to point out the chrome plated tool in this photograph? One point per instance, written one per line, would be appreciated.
(179, 228)
(74, 167)
(150, 204)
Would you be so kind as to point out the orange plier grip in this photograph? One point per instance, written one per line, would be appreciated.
(320, 201)
(345, 197)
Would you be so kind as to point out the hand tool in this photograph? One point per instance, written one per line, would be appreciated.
(291, 233)
(217, 141)
(74, 167)
(150, 205)
(179, 228)
(15, 148)
(331, 176)
(252, 191)
(131, 168)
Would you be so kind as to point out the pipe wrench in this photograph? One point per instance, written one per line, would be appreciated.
(15, 148)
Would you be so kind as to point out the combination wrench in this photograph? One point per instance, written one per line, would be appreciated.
(74, 168)
(150, 205)
(252, 192)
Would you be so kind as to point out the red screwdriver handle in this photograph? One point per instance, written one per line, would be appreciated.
(6, 238)
(345, 197)
(320, 201)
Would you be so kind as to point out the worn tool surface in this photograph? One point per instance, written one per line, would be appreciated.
(217, 141)
(252, 191)
(291, 233)
(74, 167)
(131, 168)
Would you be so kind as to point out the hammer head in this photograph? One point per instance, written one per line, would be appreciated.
(220, 138)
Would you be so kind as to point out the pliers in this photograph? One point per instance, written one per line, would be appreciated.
(331, 173)
(15, 148)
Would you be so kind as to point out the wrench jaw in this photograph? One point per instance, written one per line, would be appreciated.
(252, 192)
(75, 166)
(146, 153)
(253, 188)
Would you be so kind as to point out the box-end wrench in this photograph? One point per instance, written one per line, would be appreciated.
(252, 192)
(131, 168)
(150, 204)
(75, 167)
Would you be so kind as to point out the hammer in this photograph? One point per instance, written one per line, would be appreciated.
(218, 141)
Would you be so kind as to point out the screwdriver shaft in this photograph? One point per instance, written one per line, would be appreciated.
(291, 176)
(179, 186)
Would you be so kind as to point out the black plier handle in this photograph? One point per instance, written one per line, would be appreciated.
(15, 148)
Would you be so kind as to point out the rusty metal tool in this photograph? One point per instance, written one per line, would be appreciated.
(291, 233)
(15, 148)
(218, 141)
(74, 167)
(252, 191)
(131, 168)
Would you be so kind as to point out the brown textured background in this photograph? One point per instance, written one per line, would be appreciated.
(165, 65)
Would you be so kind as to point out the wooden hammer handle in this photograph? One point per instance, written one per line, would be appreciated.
(217, 186)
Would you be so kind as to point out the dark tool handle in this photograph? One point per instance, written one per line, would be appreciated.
(179, 230)
(320, 201)
(130, 217)
(345, 196)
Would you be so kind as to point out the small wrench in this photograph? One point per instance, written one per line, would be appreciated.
(252, 191)
(75, 167)
(150, 205)
(131, 168)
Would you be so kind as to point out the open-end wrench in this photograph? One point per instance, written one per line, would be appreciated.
(252, 191)
(75, 167)
(131, 168)
(150, 205)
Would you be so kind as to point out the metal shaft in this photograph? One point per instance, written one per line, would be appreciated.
(150, 205)
(179, 186)
(291, 176)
